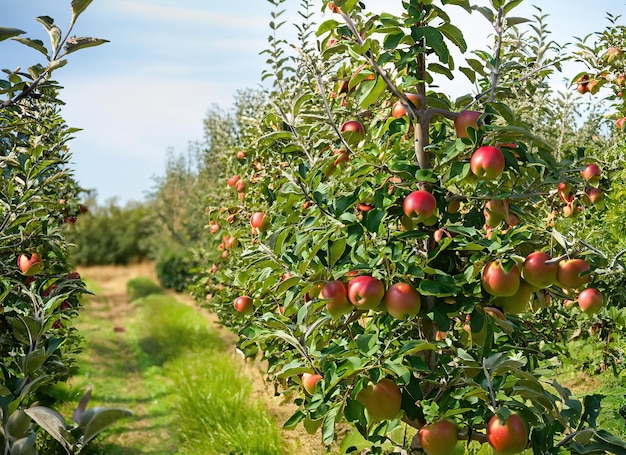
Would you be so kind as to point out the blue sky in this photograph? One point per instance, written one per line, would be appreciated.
(148, 90)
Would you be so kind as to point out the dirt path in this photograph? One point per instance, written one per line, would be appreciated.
(111, 306)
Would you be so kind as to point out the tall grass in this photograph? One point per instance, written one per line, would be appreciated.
(210, 396)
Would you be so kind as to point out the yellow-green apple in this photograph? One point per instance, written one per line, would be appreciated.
(590, 300)
(518, 302)
(29, 265)
(244, 304)
(382, 400)
(260, 221)
(366, 292)
(421, 203)
(591, 173)
(496, 211)
(499, 282)
(569, 273)
(337, 294)
(464, 120)
(438, 438)
(538, 271)
(353, 131)
(454, 205)
(487, 162)
(402, 300)
(508, 437)
(309, 380)
(398, 110)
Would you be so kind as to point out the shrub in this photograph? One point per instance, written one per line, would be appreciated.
(142, 287)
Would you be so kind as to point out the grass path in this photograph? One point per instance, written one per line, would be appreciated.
(123, 372)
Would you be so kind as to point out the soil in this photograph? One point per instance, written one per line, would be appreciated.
(112, 302)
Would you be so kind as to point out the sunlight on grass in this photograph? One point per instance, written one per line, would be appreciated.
(209, 396)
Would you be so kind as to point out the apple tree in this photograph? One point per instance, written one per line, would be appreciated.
(40, 293)
(391, 252)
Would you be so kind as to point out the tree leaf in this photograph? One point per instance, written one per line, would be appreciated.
(76, 43)
(98, 419)
(33, 43)
(78, 6)
(52, 422)
(6, 33)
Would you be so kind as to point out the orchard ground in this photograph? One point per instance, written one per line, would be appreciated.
(110, 365)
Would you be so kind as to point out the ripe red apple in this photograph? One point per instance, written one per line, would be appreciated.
(582, 84)
(337, 292)
(363, 207)
(402, 300)
(620, 122)
(30, 265)
(568, 273)
(309, 380)
(398, 110)
(438, 438)
(382, 400)
(487, 162)
(241, 155)
(240, 186)
(366, 292)
(353, 131)
(496, 211)
(244, 304)
(594, 195)
(591, 173)
(590, 300)
(421, 203)
(464, 120)
(509, 437)
(536, 272)
(498, 282)
(260, 221)
(518, 302)
(232, 181)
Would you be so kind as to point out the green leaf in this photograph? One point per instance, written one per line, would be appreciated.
(591, 411)
(96, 420)
(78, 7)
(510, 5)
(454, 34)
(294, 420)
(328, 427)
(326, 26)
(6, 33)
(372, 92)
(413, 346)
(76, 43)
(52, 422)
(434, 39)
(33, 43)
(510, 21)
(392, 40)
(336, 251)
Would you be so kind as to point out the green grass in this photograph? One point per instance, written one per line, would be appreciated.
(141, 287)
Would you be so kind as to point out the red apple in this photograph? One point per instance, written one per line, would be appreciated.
(487, 162)
(536, 272)
(620, 122)
(337, 293)
(260, 221)
(402, 301)
(240, 186)
(590, 300)
(366, 292)
(565, 192)
(509, 437)
(496, 211)
(309, 380)
(464, 120)
(594, 195)
(232, 181)
(353, 131)
(591, 173)
(498, 282)
(241, 155)
(568, 273)
(30, 265)
(421, 203)
(244, 304)
(382, 400)
(438, 438)
(398, 110)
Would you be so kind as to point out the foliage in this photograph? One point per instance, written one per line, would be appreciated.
(335, 204)
(111, 234)
(37, 201)
(175, 270)
(142, 287)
